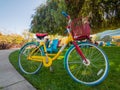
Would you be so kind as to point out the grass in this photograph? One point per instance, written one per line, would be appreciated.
(60, 80)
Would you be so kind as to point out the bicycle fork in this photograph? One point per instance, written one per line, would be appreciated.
(79, 51)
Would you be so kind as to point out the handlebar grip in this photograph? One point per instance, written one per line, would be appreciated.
(65, 14)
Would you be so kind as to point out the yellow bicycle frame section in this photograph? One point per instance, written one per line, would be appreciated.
(46, 58)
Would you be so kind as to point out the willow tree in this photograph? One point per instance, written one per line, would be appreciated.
(74, 7)
(48, 17)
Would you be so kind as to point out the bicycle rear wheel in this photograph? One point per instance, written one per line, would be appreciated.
(92, 73)
(29, 66)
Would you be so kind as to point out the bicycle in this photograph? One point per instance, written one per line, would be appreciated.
(85, 62)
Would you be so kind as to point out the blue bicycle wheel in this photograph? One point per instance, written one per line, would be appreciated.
(29, 66)
(92, 73)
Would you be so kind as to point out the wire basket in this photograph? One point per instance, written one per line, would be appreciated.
(80, 29)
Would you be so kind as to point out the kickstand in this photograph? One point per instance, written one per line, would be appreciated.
(51, 69)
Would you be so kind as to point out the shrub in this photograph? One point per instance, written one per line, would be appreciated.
(10, 41)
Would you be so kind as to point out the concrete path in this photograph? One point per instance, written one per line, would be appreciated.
(10, 79)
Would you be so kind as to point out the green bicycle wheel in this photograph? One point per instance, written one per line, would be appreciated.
(29, 66)
(92, 73)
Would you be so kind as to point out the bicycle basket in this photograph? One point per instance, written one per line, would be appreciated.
(80, 29)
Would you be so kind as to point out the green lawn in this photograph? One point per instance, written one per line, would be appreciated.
(60, 80)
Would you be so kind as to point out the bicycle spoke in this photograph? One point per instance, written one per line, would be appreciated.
(29, 66)
(90, 73)
(74, 62)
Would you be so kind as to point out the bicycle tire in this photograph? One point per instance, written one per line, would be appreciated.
(89, 74)
(29, 66)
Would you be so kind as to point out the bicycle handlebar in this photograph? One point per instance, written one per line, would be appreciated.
(65, 14)
(68, 17)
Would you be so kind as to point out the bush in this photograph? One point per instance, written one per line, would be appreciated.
(11, 41)
(106, 38)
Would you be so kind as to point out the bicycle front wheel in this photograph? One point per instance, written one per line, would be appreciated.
(29, 66)
(92, 73)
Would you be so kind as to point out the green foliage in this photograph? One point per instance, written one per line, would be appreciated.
(59, 79)
(98, 38)
(48, 18)
(1, 88)
(74, 7)
(106, 38)
(102, 14)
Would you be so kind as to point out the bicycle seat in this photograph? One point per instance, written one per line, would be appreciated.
(41, 35)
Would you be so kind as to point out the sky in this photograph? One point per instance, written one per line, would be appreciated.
(15, 15)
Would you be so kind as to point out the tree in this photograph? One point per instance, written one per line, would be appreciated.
(103, 14)
(48, 17)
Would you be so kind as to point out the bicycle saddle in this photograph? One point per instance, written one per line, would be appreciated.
(41, 35)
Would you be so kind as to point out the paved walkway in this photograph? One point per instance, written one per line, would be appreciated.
(10, 79)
